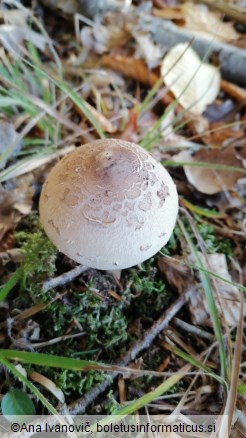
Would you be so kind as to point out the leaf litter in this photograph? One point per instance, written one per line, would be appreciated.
(193, 118)
(206, 180)
(199, 20)
(227, 295)
(194, 84)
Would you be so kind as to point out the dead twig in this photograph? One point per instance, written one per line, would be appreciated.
(56, 340)
(193, 329)
(64, 278)
(80, 405)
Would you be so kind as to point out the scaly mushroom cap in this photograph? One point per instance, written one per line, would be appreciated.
(109, 205)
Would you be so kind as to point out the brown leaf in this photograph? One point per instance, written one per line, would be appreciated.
(206, 180)
(218, 136)
(227, 296)
(137, 70)
(169, 13)
(8, 219)
(207, 24)
(131, 67)
(177, 274)
(130, 132)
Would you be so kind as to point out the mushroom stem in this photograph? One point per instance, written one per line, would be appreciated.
(116, 273)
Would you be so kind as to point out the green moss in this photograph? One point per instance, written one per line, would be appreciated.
(103, 323)
(149, 290)
(213, 242)
(111, 405)
(87, 307)
(39, 255)
(70, 382)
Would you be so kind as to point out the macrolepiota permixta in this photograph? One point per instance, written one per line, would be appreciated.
(109, 205)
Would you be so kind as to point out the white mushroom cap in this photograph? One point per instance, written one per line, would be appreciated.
(109, 205)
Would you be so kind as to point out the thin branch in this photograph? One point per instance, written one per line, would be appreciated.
(193, 329)
(56, 340)
(64, 278)
(80, 405)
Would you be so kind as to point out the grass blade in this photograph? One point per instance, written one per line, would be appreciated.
(210, 301)
(30, 386)
(152, 395)
(195, 362)
(51, 360)
(171, 163)
(6, 289)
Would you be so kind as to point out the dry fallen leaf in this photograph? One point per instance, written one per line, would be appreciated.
(169, 13)
(33, 163)
(16, 17)
(131, 67)
(105, 124)
(199, 20)
(16, 30)
(9, 218)
(13, 255)
(101, 79)
(207, 24)
(137, 70)
(206, 180)
(228, 300)
(239, 424)
(178, 275)
(23, 194)
(171, 139)
(147, 49)
(193, 83)
(131, 130)
(103, 38)
(222, 135)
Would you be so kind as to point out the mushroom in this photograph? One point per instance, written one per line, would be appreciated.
(109, 205)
